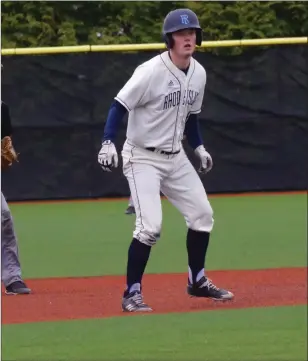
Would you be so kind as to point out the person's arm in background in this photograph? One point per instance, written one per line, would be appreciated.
(8, 153)
(6, 123)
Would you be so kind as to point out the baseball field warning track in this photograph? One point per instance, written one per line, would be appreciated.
(57, 299)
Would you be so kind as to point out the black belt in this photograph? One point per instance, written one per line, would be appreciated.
(152, 149)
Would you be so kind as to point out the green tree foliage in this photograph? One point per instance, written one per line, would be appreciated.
(39, 23)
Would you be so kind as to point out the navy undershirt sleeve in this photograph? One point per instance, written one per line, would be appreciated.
(114, 118)
(192, 131)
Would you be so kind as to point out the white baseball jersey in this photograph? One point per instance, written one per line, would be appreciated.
(159, 97)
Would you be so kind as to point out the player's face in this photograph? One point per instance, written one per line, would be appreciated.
(184, 42)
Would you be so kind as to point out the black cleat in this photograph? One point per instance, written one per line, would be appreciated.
(130, 210)
(205, 288)
(17, 288)
(133, 302)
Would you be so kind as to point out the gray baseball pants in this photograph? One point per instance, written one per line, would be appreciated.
(11, 270)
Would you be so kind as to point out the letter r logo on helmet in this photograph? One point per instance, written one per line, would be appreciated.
(181, 19)
(184, 19)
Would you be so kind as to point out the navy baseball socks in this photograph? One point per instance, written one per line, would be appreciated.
(198, 284)
(138, 255)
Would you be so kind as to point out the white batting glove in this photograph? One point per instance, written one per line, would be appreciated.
(108, 156)
(206, 162)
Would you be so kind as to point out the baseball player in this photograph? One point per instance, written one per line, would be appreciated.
(11, 271)
(163, 97)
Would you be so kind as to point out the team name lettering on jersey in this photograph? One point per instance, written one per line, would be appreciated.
(173, 99)
(190, 97)
(159, 97)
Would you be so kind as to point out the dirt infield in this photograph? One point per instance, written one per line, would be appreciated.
(98, 297)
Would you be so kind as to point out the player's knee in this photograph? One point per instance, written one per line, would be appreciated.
(202, 220)
(149, 237)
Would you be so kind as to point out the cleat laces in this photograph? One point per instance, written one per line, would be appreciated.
(137, 298)
(209, 285)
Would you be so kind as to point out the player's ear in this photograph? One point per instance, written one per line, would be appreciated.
(168, 40)
(199, 37)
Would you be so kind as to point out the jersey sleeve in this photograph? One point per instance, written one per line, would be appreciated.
(196, 107)
(137, 89)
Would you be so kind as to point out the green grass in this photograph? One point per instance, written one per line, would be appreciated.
(85, 239)
(265, 334)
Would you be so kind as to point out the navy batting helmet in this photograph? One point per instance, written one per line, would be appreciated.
(181, 19)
